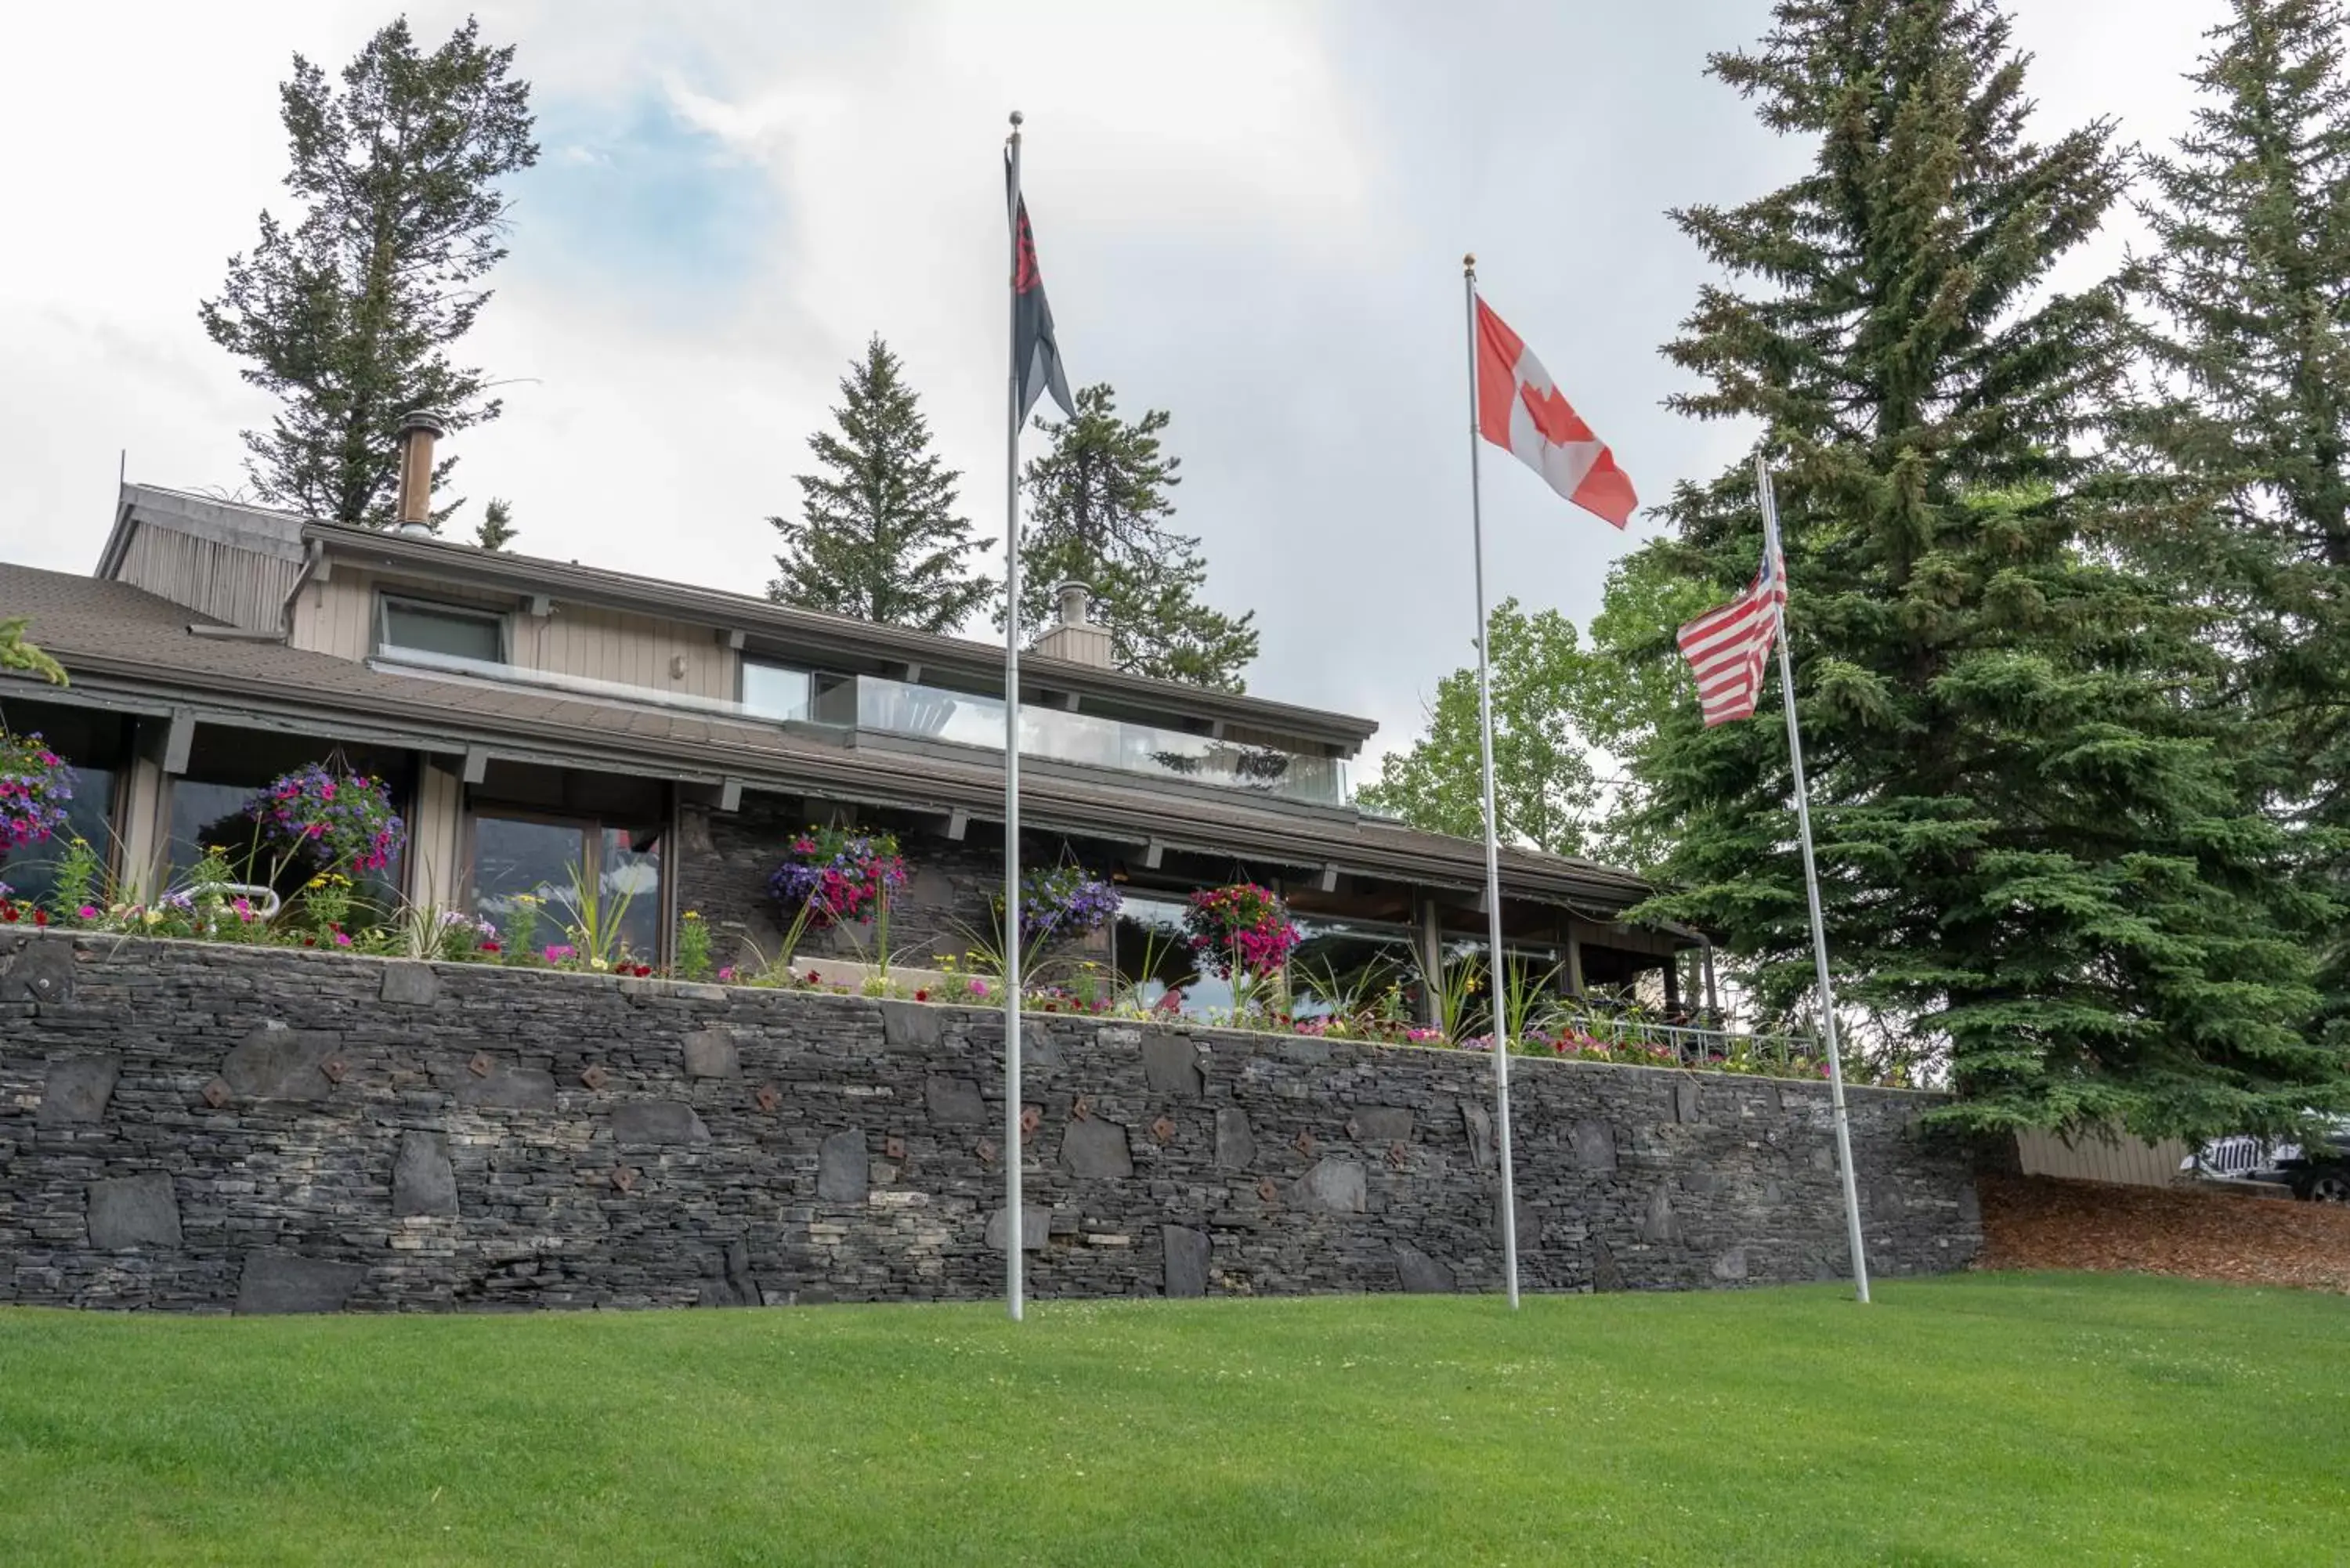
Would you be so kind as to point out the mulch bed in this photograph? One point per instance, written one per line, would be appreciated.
(2044, 1222)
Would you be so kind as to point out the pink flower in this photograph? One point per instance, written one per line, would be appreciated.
(87, 912)
(726, 976)
(341, 940)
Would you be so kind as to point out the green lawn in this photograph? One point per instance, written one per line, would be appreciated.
(1994, 1418)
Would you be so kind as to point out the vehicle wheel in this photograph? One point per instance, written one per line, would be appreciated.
(2328, 1184)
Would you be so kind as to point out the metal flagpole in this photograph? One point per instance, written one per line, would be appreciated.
(1496, 973)
(1012, 1150)
(1812, 885)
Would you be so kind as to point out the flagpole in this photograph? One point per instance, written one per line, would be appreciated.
(1812, 887)
(1496, 973)
(1012, 1146)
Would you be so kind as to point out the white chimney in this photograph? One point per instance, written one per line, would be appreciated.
(1073, 638)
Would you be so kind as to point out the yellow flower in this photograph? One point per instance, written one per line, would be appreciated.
(692, 915)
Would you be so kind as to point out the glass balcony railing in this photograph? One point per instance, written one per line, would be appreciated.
(930, 712)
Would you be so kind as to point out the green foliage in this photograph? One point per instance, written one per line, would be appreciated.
(19, 656)
(348, 315)
(2035, 846)
(2242, 437)
(1542, 784)
(692, 946)
(497, 530)
(877, 538)
(1098, 515)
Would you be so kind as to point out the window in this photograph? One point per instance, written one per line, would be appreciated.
(774, 691)
(560, 864)
(447, 631)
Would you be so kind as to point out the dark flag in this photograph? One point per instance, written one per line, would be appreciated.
(1034, 349)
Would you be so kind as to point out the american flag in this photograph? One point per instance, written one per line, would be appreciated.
(1727, 647)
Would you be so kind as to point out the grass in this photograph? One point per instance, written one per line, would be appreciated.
(1988, 1419)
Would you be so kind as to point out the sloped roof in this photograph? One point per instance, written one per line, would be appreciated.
(129, 650)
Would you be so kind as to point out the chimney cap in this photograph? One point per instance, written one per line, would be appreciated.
(432, 420)
(1073, 595)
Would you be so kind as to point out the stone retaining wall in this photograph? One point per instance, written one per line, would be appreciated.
(203, 1127)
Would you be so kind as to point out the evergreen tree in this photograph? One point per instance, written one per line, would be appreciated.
(2246, 428)
(1098, 513)
(19, 656)
(349, 316)
(1542, 784)
(497, 530)
(877, 537)
(2034, 847)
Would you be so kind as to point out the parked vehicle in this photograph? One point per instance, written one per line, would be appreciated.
(2316, 1172)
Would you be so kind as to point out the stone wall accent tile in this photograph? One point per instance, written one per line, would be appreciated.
(1187, 1260)
(1659, 1226)
(1605, 1274)
(1235, 1143)
(1419, 1273)
(422, 1180)
(1685, 1102)
(128, 1212)
(1383, 1124)
(1594, 1145)
(844, 1172)
(1730, 1265)
(509, 1088)
(75, 1089)
(409, 983)
(1097, 1148)
(910, 1025)
(42, 972)
(657, 1121)
(275, 1063)
(1478, 1122)
(1036, 1229)
(728, 1281)
(711, 1054)
(1170, 1065)
(1333, 1186)
(276, 1281)
(953, 1102)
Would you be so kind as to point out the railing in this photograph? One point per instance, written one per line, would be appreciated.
(961, 718)
(1700, 1049)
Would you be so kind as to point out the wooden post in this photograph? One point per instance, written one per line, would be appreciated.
(1712, 997)
(1574, 962)
(1430, 938)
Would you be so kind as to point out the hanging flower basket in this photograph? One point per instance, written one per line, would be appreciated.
(837, 877)
(341, 819)
(35, 786)
(1062, 901)
(1241, 928)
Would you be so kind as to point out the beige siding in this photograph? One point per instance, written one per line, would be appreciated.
(244, 588)
(337, 617)
(2125, 1161)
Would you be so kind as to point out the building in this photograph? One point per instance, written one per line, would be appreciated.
(539, 720)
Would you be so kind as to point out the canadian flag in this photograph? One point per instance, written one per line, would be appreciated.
(1518, 407)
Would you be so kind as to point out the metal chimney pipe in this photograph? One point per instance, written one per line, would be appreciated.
(1073, 595)
(418, 431)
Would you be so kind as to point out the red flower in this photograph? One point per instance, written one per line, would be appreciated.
(921, 996)
(644, 970)
(490, 947)
(8, 913)
(814, 979)
(40, 917)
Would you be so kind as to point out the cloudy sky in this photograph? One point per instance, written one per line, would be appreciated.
(1251, 214)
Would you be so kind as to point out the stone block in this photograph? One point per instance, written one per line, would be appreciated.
(843, 1170)
(422, 1180)
(1529, 1225)
(954, 1101)
(1478, 1122)
(1036, 1227)
(1383, 1124)
(409, 983)
(1594, 1144)
(1333, 1186)
(1731, 1265)
(912, 1025)
(728, 1281)
(1659, 1226)
(710, 1054)
(1605, 1274)
(1096, 1147)
(277, 1282)
(275, 1063)
(1235, 1143)
(656, 1121)
(1170, 1065)
(133, 1211)
(1187, 1260)
(509, 1089)
(43, 971)
(1685, 1109)
(1419, 1273)
(75, 1089)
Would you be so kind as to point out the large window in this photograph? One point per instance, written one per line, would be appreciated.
(566, 863)
(226, 767)
(774, 691)
(453, 631)
(92, 743)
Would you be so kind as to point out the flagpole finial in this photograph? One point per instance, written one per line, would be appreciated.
(1469, 263)
(1015, 120)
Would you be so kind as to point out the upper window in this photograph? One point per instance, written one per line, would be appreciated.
(774, 691)
(419, 626)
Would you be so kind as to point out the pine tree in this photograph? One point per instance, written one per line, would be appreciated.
(2036, 848)
(496, 530)
(1542, 784)
(1098, 515)
(349, 316)
(2246, 428)
(877, 537)
(20, 656)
